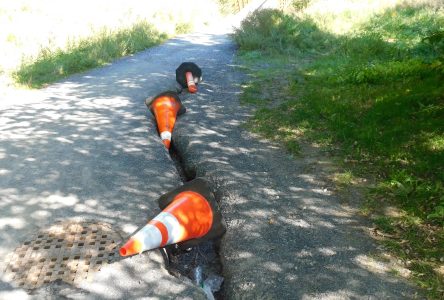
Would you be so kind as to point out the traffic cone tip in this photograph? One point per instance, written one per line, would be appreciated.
(165, 136)
(131, 247)
(192, 88)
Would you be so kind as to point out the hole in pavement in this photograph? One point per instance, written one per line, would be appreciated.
(200, 262)
(185, 176)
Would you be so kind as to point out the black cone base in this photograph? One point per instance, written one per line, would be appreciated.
(172, 94)
(183, 69)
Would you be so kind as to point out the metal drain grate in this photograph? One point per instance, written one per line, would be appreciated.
(69, 251)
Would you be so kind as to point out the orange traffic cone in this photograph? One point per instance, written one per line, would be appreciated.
(189, 214)
(192, 88)
(165, 107)
(188, 74)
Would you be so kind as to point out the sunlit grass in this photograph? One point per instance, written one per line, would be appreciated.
(31, 29)
(373, 91)
(343, 16)
(51, 65)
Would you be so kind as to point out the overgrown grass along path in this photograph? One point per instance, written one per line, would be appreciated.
(43, 41)
(51, 65)
(376, 97)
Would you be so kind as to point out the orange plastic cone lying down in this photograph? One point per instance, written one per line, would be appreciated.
(189, 215)
(165, 107)
(192, 88)
(188, 74)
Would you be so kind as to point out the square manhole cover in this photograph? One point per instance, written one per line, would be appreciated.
(68, 251)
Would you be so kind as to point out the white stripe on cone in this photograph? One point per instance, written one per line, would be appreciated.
(191, 82)
(175, 230)
(165, 135)
(150, 236)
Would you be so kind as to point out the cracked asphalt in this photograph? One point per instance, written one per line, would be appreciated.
(288, 236)
(87, 149)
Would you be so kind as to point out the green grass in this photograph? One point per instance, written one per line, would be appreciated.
(67, 32)
(105, 46)
(376, 95)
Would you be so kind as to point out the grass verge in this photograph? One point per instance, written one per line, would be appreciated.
(375, 95)
(105, 46)
(64, 30)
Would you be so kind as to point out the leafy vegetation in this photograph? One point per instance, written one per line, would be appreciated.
(373, 92)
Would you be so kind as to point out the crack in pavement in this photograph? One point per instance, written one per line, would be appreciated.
(86, 150)
(288, 237)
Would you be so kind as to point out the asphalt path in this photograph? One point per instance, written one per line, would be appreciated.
(88, 149)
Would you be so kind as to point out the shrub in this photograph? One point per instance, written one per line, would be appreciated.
(276, 32)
